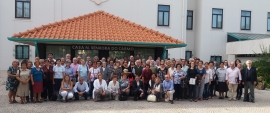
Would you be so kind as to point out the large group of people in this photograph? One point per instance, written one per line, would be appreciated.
(67, 79)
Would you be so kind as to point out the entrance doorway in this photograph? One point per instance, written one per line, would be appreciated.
(119, 54)
(85, 53)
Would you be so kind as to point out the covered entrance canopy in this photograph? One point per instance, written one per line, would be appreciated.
(98, 28)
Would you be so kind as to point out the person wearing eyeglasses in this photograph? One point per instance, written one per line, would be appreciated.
(249, 80)
(168, 89)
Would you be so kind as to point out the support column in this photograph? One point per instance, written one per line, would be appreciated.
(36, 48)
(164, 52)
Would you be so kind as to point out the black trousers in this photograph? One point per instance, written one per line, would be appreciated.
(211, 88)
(239, 91)
(91, 88)
(47, 89)
(136, 94)
(192, 91)
(178, 91)
(30, 97)
(85, 95)
(145, 90)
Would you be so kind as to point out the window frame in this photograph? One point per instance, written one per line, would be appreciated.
(245, 20)
(16, 1)
(217, 19)
(23, 47)
(163, 15)
(215, 57)
(186, 55)
(268, 21)
(191, 20)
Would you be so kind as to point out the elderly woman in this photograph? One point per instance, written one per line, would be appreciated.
(100, 88)
(113, 88)
(156, 89)
(69, 71)
(177, 76)
(93, 75)
(202, 72)
(24, 77)
(37, 81)
(151, 83)
(47, 80)
(124, 85)
(171, 69)
(12, 82)
(221, 80)
(83, 70)
(30, 97)
(59, 73)
(66, 90)
(117, 70)
(105, 72)
(168, 89)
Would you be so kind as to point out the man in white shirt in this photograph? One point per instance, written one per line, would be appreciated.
(81, 89)
(233, 77)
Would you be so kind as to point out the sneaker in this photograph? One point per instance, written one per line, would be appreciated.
(226, 97)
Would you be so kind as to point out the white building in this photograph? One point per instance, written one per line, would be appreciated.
(208, 37)
(21, 15)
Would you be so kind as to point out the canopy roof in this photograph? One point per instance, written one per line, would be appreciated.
(96, 28)
(248, 36)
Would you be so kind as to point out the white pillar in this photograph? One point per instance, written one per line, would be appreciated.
(231, 58)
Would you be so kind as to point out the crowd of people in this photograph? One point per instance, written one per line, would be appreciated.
(67, 79)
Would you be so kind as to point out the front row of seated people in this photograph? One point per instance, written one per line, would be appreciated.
(116, 88)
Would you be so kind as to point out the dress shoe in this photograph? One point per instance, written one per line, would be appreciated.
(226, 97)
(171, 101)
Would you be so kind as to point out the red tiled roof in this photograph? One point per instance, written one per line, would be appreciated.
(98, 26)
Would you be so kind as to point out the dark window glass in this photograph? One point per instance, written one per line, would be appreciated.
(218, 59)
(188, 55)
(189, 20)
(163, 15)
(217, 18)
(22, 8)
(22, 52)
(245, 20)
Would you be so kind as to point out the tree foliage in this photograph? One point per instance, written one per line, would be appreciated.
(263, 65)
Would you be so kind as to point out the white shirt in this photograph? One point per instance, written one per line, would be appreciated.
(113, 87)
(94, 73)
(58, 72)
(97, 85)
(171, 71)
(208, 76)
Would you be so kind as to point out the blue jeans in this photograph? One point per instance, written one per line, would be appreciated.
(206, 90)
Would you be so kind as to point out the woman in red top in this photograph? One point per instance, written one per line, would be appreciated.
(47, 80)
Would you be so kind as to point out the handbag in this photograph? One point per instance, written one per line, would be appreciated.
(122, 97)
(151, 98)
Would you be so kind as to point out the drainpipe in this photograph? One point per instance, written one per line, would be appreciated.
(36, 48)
(164, 52)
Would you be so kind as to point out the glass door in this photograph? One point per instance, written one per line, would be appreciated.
(85, 53)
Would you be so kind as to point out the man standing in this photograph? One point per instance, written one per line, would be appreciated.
(50, 57)
(249, 80)
(153, 67)
(138, 68)
(131, 58)
(68, 57)
(184, 66)
(233, 75)
(88, 58)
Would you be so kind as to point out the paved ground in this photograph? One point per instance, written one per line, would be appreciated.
(262, 105)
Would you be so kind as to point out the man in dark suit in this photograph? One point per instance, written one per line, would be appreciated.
(249, 80)
(137, 87)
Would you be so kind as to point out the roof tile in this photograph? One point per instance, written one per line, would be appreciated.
(99, 25)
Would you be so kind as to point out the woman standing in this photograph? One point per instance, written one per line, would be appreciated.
(37, 81)
(162, 71)
(202, 72)
(24, 77)
(12, 82)
(117, 70)
(104, 72)
(192, 72)
(171, 69)
(30, 97)
(47, 80)
(59, 73)
(177, 76)
(90, 64)
(70, 72)
(213, 82)
(207, 81)
(66, 90)
(221, 80)
(93, 74)
(83, 70)
(240, 86)
(114, 89)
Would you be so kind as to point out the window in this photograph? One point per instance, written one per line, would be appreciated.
(85, 53)
(144, 53)
(217, 18)
(58, 51)
(22, 8)
(163, 15)
(22, 52)
(188, 55)
(218, 59)
(268, 22)
(189, 20)
(245, 20)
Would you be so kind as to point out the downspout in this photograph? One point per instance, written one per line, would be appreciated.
(164, 52)
(36, 48)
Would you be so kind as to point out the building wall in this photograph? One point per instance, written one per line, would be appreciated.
(208, 41)
(142, 12)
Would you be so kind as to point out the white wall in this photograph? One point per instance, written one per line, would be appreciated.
(210, 41)
(143, 12)
(190, 37)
